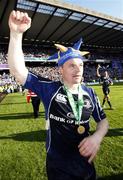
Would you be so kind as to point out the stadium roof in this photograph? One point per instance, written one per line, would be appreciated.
(57, 22)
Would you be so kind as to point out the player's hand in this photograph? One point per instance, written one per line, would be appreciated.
(19, 22)
(89, 147)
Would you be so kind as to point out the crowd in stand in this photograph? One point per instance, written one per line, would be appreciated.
(37, 52)
(115, 68)
(47, 72)
(40, 53)
(89, 72)
(3, 58)
(8, 83)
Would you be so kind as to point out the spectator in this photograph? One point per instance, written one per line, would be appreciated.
(35, 100)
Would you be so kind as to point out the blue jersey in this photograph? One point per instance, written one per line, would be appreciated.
(106, 82)
(62, 136)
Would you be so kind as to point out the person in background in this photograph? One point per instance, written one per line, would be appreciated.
(35, 100)
(23, 90)
(68, 105)
(105, 81)
(28, 96)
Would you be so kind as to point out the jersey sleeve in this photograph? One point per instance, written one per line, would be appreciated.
(98, 113)
(43, 87)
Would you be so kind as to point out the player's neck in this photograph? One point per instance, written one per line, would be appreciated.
(73, 88)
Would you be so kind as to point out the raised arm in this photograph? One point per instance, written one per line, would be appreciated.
(19, 22)
(98, 74)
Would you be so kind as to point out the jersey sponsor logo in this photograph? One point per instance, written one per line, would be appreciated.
(57, 118)
(68, 121)
(61, 98)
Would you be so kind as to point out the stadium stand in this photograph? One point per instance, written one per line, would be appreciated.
(64, 23)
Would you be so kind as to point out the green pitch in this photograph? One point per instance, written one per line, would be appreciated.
(22, 139)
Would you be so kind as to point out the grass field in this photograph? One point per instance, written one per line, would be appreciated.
(22, 140)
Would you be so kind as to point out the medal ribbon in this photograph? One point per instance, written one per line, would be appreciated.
(77, 109)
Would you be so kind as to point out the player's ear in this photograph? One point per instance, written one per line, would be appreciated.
(60, 70)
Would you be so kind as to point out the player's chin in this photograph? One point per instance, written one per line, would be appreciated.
(76, 82)
(77, 79)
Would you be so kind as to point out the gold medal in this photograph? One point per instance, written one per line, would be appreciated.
(81, 129)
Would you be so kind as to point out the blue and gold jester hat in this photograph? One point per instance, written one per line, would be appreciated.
(66, 53)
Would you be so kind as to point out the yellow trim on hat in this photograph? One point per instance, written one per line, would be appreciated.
(61, 47)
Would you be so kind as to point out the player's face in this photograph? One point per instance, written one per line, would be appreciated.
(72, 71)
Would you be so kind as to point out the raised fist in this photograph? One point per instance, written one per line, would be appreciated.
(19, 22)
(98, 66)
